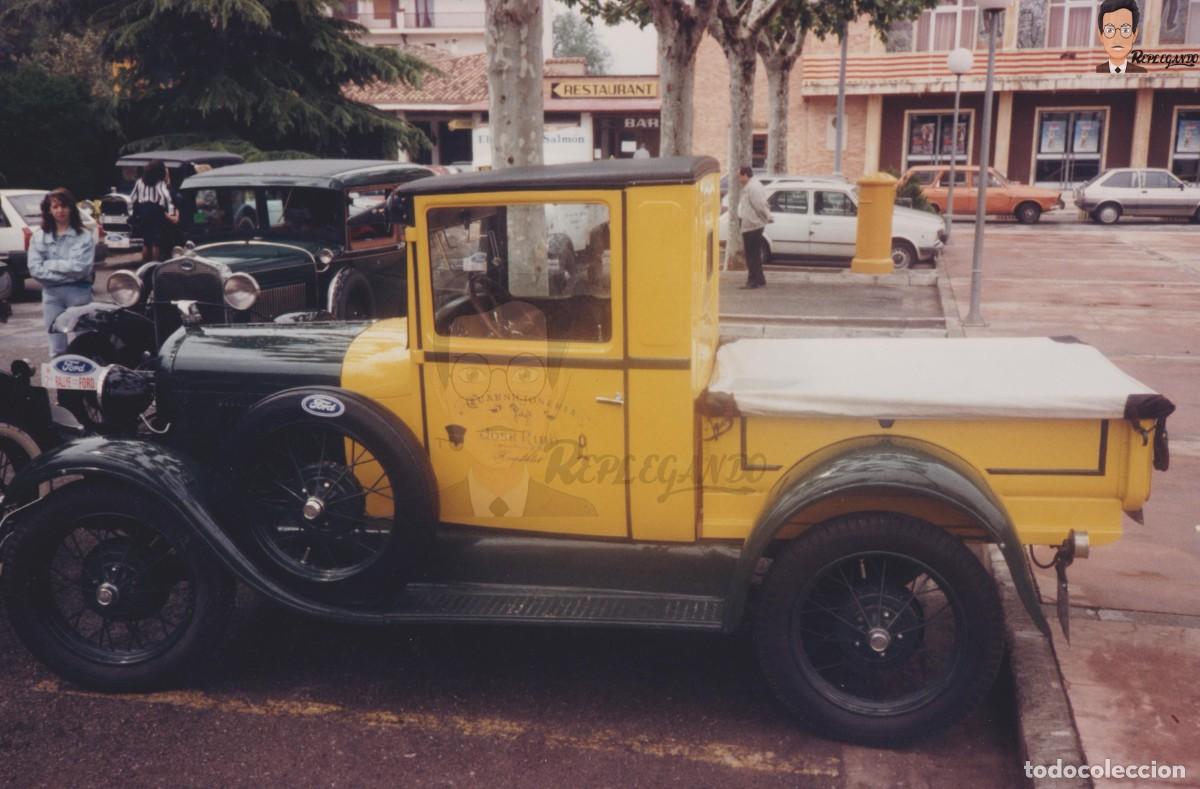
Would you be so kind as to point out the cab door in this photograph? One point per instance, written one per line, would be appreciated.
(522, 360)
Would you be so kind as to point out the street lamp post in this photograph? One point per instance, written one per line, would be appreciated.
(840, 117)
(991, 10)
(959, 61)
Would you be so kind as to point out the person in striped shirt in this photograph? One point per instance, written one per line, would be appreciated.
(152, 209)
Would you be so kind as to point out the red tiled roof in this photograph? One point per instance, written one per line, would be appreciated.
(463, 80)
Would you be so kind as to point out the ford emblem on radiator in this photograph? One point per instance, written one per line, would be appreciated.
(323, 405)
(186, 265)
(74, 365)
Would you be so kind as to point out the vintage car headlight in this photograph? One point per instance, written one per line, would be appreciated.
(324, 259)
(124, 288)
(241, 291)
(124, 394)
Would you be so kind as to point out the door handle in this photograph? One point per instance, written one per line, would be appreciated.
(616, 399)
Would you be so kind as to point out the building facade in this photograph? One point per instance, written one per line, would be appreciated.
(1056, 121)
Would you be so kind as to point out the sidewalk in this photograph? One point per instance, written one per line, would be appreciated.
(1128, 681)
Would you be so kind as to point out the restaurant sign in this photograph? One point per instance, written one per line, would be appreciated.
(605, 89)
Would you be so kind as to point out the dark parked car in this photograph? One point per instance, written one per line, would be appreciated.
(303, 236)
(115, 206)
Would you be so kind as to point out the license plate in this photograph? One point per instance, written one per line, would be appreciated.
(117, 241)
(71, 372)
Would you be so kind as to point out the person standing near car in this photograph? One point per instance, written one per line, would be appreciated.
(754, 215)
(153, 210)
(62, 259)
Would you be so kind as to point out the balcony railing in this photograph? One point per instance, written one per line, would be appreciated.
(418, 21)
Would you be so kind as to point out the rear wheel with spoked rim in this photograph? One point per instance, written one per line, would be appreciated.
(879, 628)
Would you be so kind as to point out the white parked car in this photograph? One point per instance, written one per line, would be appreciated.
(1137, 192)
(816, 219)
(21, 209)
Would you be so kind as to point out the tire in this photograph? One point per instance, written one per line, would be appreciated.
(88, 536)
(834, 664)
(18, 446)
(1107, 214)
(350, 296)
(1028, 213)
(356, 541)
(904, 254)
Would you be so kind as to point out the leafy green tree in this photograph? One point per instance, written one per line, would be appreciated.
(574, 36)
(270, 72)
(55, 132)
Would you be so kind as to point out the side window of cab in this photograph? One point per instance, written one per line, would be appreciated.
(523, 272)
(367, 223)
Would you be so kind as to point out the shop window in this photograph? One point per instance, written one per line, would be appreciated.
(758, 151)
(931, 137)
(1185, 150)
(1069, 147)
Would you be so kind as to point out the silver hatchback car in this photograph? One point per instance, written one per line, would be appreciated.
(1137, 192)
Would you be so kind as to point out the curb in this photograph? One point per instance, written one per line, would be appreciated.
(1044, 718)
(954, 327)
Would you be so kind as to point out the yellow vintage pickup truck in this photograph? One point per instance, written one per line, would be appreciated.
(555, 435)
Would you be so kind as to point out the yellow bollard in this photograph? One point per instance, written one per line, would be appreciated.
(873, 243)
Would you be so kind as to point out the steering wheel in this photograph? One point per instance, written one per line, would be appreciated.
(480, 287)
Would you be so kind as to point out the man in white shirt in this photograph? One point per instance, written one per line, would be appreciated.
(754, 215)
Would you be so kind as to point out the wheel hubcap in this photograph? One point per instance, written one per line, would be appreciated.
(107, 594)
(879, 639)
(313, 509)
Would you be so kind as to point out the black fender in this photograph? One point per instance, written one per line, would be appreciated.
(126, 334)
(883, 467)
(176, 481)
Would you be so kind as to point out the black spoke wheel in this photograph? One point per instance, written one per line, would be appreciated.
(323, 507)
(13, 456)
(336, 504)
(110, 591)
(879, 628)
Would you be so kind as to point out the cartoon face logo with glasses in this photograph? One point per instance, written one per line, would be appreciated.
(1116, 27)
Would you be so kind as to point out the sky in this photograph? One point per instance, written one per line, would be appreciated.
(633, 50)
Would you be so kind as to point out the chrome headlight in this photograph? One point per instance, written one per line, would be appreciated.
(241, 291)
(324, 259)
(124, 288)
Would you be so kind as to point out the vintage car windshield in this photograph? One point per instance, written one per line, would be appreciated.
(531, 271)
(296, 213)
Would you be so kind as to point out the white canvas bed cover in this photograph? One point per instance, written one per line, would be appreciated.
(881, 378)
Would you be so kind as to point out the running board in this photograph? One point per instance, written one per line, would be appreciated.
(422, 602)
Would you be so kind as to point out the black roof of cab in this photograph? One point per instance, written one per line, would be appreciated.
(319, 173)
(175, 158)
(605, 174)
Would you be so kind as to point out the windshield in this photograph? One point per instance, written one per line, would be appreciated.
(263, 212)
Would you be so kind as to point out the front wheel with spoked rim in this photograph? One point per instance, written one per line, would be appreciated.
(333, 497)
(106, 588)
(878, 628)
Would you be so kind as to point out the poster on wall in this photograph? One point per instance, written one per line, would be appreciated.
(1187, 139)
(1054, 137)
(1087, 137)
(921, 139)
(959, 146)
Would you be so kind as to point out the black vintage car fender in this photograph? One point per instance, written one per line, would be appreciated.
(176, 481)
(108, 333)
(881, 467)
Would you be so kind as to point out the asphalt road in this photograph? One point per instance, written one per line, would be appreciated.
(287, 701)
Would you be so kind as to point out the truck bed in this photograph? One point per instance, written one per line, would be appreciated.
(886, 378)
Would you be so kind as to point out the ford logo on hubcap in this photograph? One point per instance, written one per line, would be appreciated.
(323, 405)
(74, 365)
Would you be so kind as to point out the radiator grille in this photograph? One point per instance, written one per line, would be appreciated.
(276, 301)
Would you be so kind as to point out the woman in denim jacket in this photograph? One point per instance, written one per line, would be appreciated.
(61, 259)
